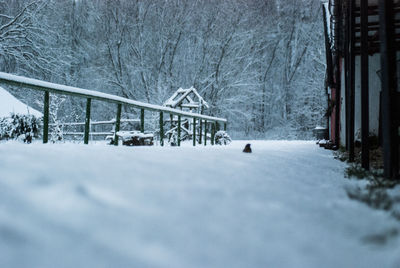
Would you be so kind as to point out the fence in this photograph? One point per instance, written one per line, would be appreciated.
(53, 88)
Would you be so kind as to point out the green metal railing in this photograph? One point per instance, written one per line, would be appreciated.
(90, 95)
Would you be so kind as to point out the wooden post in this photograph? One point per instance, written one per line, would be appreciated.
(87, 121)
(142, 120)
(364, 87)
(179, 130)
(200, 130)
(46, 106)
(161, 129)
(225, 126)
(352, 67)
(117, 123)
(217, 126)
(194, 131)
(389, 87)
(205, 132)
(212, 132)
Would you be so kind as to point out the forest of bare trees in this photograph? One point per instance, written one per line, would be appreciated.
(258, 63)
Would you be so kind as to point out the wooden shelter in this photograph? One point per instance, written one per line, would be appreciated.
(362, 41)
(187, 99)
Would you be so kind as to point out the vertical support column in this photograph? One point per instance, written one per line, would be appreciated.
(117, 123)
(87, 121)
(352, 81)
(212, 132)
(225, 126)
(194, 131)
(142, 120)
(171, 118)
(179, 130)
(346, 72)
(200, 130)
(161, 129)
(364, 86)
(389, 88)
(217, 127)
(46, 106)
(205, 132)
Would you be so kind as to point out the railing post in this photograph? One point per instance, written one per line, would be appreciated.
(179, 130)
(194, 131)
(161, 129)
(87, 121)
(205, 132)
(212, 132)
(117, 123)
(142, 120)
(200, 130)
(46, 106)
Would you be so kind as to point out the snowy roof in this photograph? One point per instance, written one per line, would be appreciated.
(181, 95)
(10, 104)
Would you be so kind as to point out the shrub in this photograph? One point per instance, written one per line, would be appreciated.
(222, 138)
(19, 126)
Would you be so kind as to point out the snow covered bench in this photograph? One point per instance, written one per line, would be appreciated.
(133, 138)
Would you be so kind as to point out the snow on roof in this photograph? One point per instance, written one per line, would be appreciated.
(181, 94)
(10, 104)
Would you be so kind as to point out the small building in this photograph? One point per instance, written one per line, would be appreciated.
(362, 54)
(187, 100)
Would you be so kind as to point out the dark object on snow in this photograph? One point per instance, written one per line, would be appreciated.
(247, 148)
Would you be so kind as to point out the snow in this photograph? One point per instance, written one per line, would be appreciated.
(9, 104)
(63, 89)
(284, 205)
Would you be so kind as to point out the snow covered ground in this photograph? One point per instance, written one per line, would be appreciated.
(284, 205)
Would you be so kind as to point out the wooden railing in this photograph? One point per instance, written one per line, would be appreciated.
(53, 88)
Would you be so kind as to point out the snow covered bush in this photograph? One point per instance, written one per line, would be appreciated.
(222, 138)
(19, 126)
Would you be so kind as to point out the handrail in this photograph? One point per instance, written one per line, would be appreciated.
(85, 93)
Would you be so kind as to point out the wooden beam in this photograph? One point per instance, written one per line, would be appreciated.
(142, 120)
(389, 88)
(179, 130)
(364, 87)
(194, 131)
(117, 123)
(351, 83)
(205, 133)
(161, 129)
(87, 121)
(46, 105)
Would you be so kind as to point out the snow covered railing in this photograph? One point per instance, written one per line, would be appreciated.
(48, 87)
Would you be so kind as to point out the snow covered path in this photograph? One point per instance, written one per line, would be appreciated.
(284, 205)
